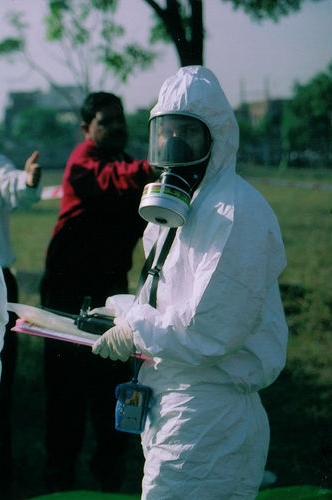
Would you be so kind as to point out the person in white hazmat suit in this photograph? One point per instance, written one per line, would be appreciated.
(3, 313)
(217, 333)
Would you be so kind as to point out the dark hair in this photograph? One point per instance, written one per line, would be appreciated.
(96, 102)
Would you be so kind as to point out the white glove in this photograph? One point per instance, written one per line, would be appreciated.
(117, 342)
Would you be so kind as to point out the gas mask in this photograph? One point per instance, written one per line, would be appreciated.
(179, 148)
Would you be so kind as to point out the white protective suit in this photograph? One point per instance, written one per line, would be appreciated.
(3, 312)
(218, 334)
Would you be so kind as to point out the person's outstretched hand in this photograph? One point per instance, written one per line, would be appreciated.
(116, 343)
(32, 170)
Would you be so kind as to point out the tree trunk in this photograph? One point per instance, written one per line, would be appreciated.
(186, 34)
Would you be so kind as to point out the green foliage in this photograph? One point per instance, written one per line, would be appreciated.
(122, 63)
(60, 9)
(12, 46)
(138, 133)
(307, 118)
(267, 9)
(297, 131)
(248, 134)
(89, 36)
(9, 46)
(138, 125)
(42, 125)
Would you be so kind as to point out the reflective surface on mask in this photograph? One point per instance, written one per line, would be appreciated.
(178, 140)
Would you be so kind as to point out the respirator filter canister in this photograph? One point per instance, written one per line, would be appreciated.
(167, 201)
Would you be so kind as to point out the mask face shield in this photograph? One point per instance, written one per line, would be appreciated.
(179, 147)
(190, 134)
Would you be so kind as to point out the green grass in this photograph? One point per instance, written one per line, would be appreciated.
(298, 404)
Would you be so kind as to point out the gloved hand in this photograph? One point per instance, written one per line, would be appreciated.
(117, 342)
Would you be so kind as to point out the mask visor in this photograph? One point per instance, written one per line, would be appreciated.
(177, 141)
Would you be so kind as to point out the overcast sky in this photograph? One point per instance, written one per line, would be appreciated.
(266, 56)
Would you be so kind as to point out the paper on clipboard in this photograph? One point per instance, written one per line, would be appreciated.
(43, 318)
(79, 337)
(35, 321)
